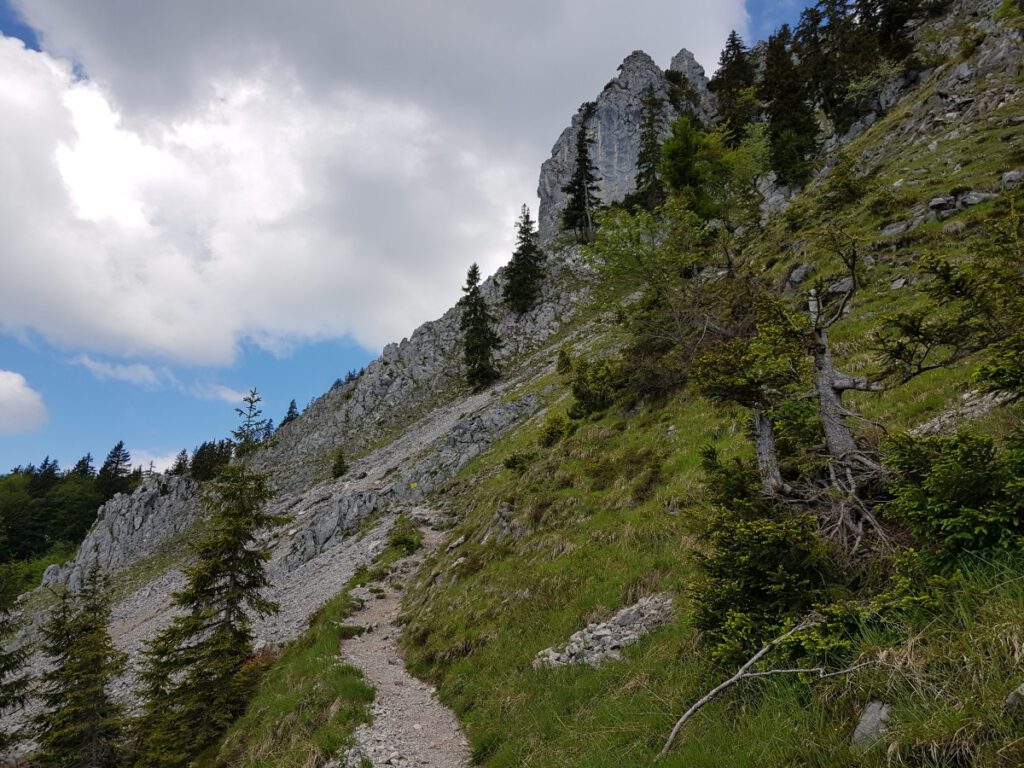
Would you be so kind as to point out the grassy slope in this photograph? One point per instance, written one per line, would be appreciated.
(610, 514)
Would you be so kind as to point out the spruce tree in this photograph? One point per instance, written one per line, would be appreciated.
(115, 475)
(83, 467)
(479, 339)
(195, 681)
(253, 428)
(582, 187)
(650, 191)
(293, 413)
(81, 726)
(14, 682)
(180, 466)
(733, 84)
(792, 129)
(525, 271)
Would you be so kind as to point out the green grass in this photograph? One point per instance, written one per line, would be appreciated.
(307, 704)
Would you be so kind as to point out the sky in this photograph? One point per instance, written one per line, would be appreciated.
(199, 198)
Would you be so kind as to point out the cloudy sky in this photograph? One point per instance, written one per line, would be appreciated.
(199, 197)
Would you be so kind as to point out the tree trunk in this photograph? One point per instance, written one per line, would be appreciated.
(838, 437)
(767, 456)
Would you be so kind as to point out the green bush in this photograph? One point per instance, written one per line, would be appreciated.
(765, 564)
(556, 426)
(404, 535)
(339, 466)
(958, 494)
(593, 386)
(518, 462)
(564, 364)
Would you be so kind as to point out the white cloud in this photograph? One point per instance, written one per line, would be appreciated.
(280, 174)
(134, 373)
(217, 392)
(161, 461)
(21, 407)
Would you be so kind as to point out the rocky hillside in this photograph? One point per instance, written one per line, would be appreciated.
(553, 615)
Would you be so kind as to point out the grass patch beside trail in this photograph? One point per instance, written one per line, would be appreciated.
(308, 703)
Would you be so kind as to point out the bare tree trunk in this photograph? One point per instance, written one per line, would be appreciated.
(838, 436)
(767, 456)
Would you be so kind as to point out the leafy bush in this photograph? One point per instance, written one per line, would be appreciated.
(958, 494)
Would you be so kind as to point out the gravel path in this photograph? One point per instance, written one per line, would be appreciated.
(410, 726)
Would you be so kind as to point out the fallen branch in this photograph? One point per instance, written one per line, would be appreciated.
(745, 673)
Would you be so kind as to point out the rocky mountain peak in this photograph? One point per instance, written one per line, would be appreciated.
(615, 126)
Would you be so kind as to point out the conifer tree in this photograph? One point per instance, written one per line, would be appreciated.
(792, 129)
(650, 191)
(181, 464)
(253, 427)
(83, 467)
(582, 187)
(478, 336)
(115, 474)
(195, 680)
(525, 271)
(14, 682)
(81, 726)
(293, 413)
(733, 84)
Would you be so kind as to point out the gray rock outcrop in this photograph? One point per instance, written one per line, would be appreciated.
(615, 127)
(130, 528)
(597, 643)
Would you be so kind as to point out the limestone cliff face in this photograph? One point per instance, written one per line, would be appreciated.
(130, 528)
(615, 127)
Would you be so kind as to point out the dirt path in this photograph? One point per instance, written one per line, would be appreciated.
(410, 726)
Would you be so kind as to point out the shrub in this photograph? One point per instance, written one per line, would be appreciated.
(556, 426)
(518, 462)
(593, 386)
(564, 364)
(765, 564)
(958, 494)
(404, 535)
(339, 466)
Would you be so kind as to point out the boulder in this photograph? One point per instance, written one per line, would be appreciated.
(874, 721)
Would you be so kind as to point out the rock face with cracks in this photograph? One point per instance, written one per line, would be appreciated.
(615, 127)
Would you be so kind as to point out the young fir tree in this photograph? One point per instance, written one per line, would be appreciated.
(650, 191)
(479, 339)
(582, 187)
(733, 83)
(81, 726)
(524, 273)
(14, 682)
(253, 427)
(84, 467)
(195, 680)
(792, 128)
